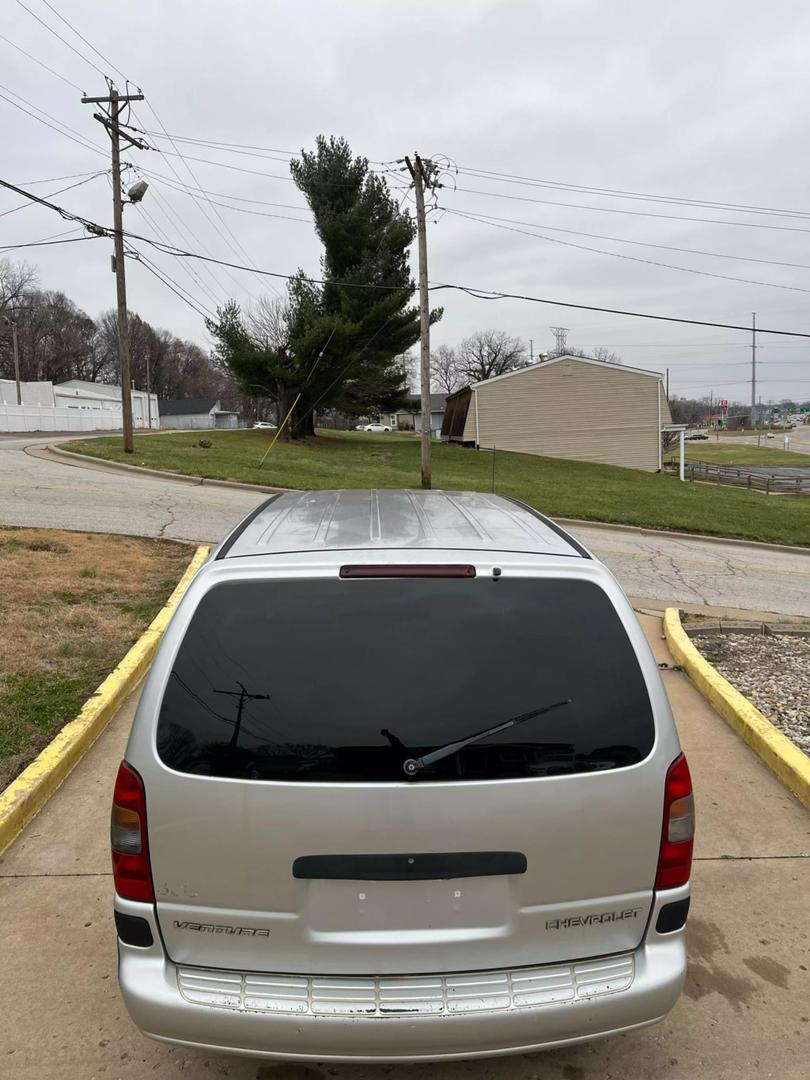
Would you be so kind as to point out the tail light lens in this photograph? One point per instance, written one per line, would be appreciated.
(677, 838)
(130, 848)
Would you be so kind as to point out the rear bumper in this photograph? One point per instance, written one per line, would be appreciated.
(149, 985)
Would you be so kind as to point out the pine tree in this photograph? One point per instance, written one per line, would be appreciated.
(340, 341)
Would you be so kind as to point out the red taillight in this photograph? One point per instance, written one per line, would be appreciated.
(130, 849)
(418, 570)
(677, 837)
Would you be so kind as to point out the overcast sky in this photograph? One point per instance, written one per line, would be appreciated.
(692, 100)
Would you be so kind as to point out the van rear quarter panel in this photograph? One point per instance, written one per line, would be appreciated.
(222, 850)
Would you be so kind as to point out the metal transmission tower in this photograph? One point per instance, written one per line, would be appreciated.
(560, 334)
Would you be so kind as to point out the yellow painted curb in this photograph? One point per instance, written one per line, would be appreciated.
(25, 796)
(784, 759)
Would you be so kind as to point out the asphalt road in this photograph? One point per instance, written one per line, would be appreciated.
(658, 569)
(743, 1014)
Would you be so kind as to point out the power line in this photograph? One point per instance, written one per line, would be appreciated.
(81, 141)
(234, 246)
(475, 291)
(64, 41)
(185, 231)
(493, 294)
(184, 263)
(630, 213)
(50, 195)
(185, 189)
(175, 221)
(243, 209)
(618, 193)
(55, 179)
(89, 44)
(119, 72)
(8, 41)
(625, 240)
(630, 258)
(217, 143)
(47, 241)
(170, 283)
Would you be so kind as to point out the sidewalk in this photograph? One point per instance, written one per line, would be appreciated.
(744, 1014)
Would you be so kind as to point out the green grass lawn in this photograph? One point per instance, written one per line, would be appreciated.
(555, 486)
(723, 454)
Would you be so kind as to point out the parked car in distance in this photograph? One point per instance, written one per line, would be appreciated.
(695, 435)
(495, 862)
(377, 427)
(264, 424)
(770, 435)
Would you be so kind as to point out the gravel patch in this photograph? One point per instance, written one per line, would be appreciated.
(773, 672)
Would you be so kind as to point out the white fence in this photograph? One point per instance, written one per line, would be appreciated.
(55, 418)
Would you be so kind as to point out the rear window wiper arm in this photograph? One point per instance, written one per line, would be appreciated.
(414, 765)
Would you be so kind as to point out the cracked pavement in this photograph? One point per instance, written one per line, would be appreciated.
(48, 493)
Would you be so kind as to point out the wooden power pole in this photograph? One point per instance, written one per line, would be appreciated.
(116, 103)
(418, 169)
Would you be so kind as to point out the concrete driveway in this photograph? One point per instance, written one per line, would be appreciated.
(745, 1013)
(651, 568)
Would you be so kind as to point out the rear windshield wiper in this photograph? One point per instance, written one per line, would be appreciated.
(414, 765)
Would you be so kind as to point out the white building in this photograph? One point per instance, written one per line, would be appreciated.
(101, 398)
(196, 414)
(74, 405)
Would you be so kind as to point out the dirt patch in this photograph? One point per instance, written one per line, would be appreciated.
(71, 604)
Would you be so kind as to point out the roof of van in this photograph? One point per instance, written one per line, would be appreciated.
(299, 521)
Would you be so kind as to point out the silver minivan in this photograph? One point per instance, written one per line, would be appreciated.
(403, 785)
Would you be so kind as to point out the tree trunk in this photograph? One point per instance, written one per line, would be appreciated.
(301, 424)
(304, 417)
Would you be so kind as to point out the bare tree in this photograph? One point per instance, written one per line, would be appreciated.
(445, 376)
(606, 355)
(489, 353)
(599, 352)
(16, 279)
(268, 322)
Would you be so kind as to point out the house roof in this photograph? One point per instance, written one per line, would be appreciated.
(380, 520)
(580, 360)
(187, 406)
(414, 403)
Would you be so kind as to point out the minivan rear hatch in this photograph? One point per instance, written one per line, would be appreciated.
(285, 835)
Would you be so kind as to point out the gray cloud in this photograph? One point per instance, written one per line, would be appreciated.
(704, 101)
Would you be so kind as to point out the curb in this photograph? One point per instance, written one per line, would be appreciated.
(25, 796)
(672, 534)
(785, 760)
(87, 461)
(72, 458)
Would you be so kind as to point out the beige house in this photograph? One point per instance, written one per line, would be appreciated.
(568, 407)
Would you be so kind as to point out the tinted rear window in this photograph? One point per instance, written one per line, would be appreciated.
(334, 680)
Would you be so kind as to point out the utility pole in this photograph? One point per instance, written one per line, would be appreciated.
(148, 392)
(11, 320)
(531, 350)
(116, 103)
(753, 368)
(243, 695)
(667, 385)
(423, 175)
